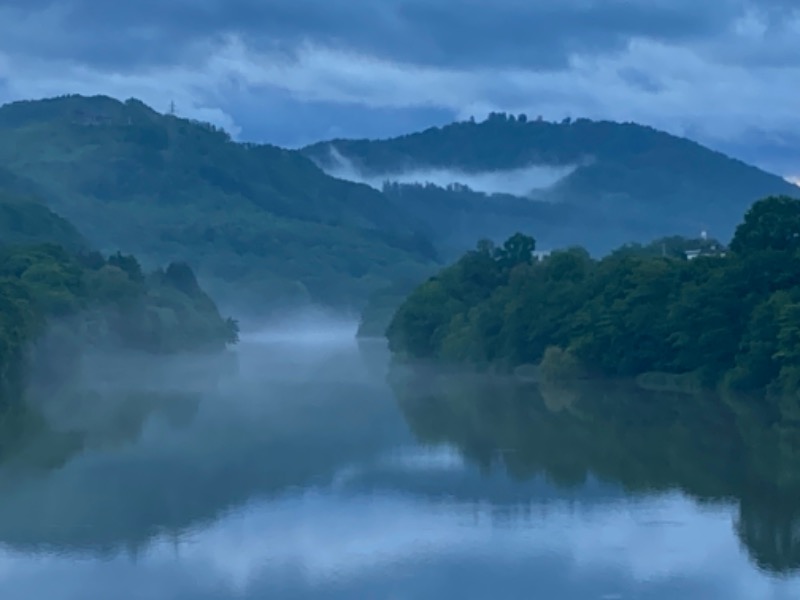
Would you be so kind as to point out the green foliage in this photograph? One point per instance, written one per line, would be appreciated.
(53, 303)
(25, 219)
(732, 318)
(381, 306)
(259, 223)
(770, 224)
(674, 246)
(622, 181)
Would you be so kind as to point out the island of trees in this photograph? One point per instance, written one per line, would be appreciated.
(728, 319)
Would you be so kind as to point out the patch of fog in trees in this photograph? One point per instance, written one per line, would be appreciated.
(518, 182)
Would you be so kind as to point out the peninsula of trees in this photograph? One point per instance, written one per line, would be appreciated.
(59, 297)
(727, 318)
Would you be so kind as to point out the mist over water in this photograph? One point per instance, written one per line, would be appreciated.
(300, 465)
(517, 182)
(309, 326)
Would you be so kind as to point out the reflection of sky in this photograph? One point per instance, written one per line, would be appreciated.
(301, 481)
(333, 545)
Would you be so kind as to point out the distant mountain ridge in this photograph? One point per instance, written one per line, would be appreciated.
(633, 182)
(265, 226)
(251, 218)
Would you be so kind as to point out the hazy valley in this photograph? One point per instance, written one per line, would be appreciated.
(585, 330)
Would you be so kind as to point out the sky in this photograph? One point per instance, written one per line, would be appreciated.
(291, 72)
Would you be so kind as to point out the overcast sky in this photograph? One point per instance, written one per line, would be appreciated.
(726, 72)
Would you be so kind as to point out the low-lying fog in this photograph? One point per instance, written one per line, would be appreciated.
(309, 326)
(518, 182)
(288, 467)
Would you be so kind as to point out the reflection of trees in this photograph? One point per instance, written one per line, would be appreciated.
(645, 441)
(31, 440)
(27, 443)
(769, 527)
(207, 453)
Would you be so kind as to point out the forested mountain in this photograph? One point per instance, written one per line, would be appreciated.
(24, 218)
(722, 318)
(256, 218)
(610, 182)
(265, 226)
(59, 297)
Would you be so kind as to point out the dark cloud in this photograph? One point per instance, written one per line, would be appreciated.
(470, 33)
(291, 71)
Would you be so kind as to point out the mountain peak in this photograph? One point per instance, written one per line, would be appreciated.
(633, 179)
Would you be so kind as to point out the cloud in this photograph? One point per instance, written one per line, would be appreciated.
(722, 72)
(466, 33)
(685, 89)
(519, 182)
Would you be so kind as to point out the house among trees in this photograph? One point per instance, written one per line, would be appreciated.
(706, 247)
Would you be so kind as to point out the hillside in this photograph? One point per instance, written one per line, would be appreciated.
(600, 184)
(25, 219)
(259, 223)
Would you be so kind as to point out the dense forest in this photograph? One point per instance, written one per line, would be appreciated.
(261, 225)
(59, 297)
(727, 316)
(572, 432)
(54, 304)
(265, 227)
(620, 181)
(26, 219)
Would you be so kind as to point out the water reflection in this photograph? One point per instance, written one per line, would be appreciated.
(151, 453)
(293, 470)
(713, 449)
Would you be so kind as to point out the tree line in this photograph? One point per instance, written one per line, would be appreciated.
(729, 318)
(54, 303)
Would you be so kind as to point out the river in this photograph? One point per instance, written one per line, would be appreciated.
(310, 468)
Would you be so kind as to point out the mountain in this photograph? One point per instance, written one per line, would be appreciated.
(595, 183)
(25, 219)
(262, 225)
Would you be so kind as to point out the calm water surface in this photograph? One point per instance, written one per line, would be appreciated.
(314, 470)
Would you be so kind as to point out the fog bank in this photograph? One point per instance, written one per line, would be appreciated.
(307, 326)
(518, 182)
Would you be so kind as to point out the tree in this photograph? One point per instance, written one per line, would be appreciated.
(129, 264)
(771, 224)
(731, 320)
(516, 250)
(180, 275)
